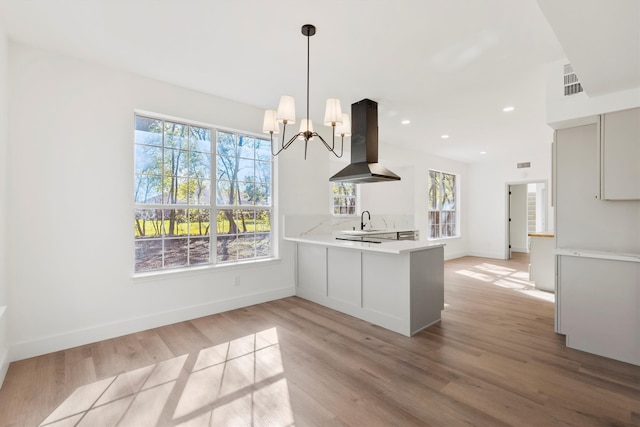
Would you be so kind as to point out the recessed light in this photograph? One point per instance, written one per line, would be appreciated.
(405, 122)
(508, 108)
(445, 136)
(483, 152)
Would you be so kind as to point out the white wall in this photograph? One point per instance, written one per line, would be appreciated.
(488, 197)
(70, 180)
(4, 199)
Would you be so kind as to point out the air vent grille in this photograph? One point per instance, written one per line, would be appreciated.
(571, 83)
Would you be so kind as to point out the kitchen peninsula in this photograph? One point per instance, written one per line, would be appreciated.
(397, 284)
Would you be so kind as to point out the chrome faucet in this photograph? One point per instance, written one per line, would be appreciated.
(362, 219)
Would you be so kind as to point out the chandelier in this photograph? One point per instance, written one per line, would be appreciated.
(286, 114)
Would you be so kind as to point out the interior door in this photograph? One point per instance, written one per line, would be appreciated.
(509, 210)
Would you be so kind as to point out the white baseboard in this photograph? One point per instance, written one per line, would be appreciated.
(4, 365)
(455, 255)
(52, 343)
(494, 255)
(4, 349)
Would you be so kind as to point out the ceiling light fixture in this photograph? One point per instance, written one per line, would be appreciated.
(405, 122)
(445, 136)
(286, 114)
(508, 109)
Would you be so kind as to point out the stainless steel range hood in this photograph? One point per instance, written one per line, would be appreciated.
(364, 165)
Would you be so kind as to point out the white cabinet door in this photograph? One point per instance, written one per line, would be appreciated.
(312, 270)
(620, 155)
(600, 310)
(345, 276)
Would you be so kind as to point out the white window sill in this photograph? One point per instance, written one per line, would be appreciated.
(199, 270)
(443, 238)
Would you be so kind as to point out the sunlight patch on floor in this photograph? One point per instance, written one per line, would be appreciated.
(546, 296)
(508, 278)
(475, 275)
(240, 382)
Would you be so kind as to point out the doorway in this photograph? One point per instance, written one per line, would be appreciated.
(526, 213)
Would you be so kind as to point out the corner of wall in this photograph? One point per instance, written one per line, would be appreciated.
(4, 148)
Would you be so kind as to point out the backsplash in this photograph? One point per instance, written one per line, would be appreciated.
(309, 225)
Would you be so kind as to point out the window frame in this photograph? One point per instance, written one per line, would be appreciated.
(213, 207)
(356, 197)
(456, 208)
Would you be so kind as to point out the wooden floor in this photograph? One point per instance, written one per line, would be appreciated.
(494, 360)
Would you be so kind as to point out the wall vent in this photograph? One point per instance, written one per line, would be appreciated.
(571, 83)
(524, 165)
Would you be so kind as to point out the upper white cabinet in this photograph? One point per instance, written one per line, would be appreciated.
(620, 155)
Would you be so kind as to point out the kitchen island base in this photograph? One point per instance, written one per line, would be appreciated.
(402, 292)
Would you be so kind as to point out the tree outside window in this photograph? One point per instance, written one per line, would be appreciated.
(442, 205)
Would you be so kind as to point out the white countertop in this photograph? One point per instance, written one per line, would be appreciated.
(388, 246)
(614, 256)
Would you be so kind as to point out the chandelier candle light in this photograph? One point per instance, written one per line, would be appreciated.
(286, 114)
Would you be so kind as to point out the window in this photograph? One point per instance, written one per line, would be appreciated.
(345, 197)
(442, 205)
(173, 195)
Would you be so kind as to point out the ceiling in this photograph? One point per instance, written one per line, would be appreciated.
(447, 66)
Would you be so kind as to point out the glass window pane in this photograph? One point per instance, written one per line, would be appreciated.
(434, 190)
(226, 168)
(245, 221)
(226, 144)
(246, 145)
(199, 164)
(226, 223)
(175, 222)
(176, 162)
(200, 139)
(226, 193)
(199, 250)
(263, 149)
(148, 223)
(245, 192)
(176, 135)
(148, 159)
(148, 255)
(245, 170)
(148, 131)
(263, 172)
(262, 196)
(226, 248)
(147, 189)
(263, 221)
(176, 252)
(199, 191)
(263, 245)
(199, 222)
(245, 246)
(449, 191)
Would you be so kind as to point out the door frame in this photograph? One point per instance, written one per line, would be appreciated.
(507, 234)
